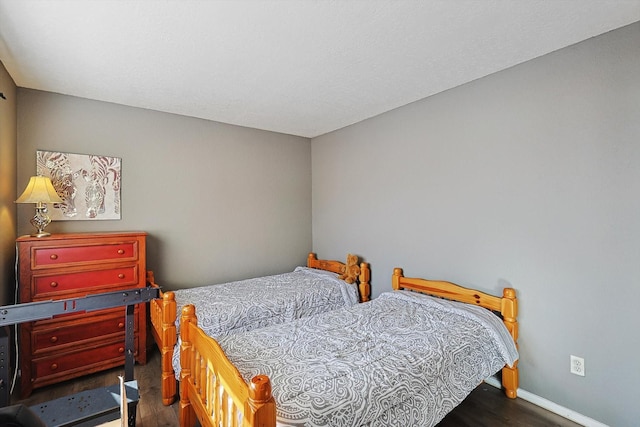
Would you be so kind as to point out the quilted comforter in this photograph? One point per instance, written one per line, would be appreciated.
(249, 304)
(403, 359)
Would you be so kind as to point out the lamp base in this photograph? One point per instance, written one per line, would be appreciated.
(41, 234)
(40, 220)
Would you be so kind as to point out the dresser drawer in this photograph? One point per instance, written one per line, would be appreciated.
(43, 257)
(45, 286)
(86, 360)
(56, 336)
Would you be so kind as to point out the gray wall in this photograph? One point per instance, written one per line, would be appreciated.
(7, 186)
(528, 178)
(219, 202)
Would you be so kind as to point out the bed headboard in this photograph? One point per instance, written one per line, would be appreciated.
(506, 306)
(349, 271)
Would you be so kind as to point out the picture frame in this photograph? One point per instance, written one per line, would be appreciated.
(88, 184)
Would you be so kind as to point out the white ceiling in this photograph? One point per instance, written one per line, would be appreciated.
(301, 67)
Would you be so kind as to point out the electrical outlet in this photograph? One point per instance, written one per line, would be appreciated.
(577, 365)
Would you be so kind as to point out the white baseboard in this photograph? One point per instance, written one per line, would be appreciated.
(550, 406)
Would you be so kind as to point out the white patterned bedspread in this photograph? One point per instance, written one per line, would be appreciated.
(403, 359)
(254, 303)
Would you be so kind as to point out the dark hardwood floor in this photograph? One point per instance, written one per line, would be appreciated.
(486, 406)
(150, 411)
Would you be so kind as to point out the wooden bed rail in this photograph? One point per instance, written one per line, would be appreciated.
(211, 388)
(507, 306)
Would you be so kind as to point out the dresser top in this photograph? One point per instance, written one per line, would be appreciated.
(71, 236)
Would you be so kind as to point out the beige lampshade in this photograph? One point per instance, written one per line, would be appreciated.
(39, 190)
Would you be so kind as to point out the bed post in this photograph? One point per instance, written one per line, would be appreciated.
(364, 278)
(162, 312)
(187, 414)
(166, 352)
(261, 408)
(395, 278)
(150, 278)
(509, 311)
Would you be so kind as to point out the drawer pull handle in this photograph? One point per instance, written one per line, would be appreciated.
(121, 350)
(121, 276)
(53, 257)
(54, 366)
(53, 284)
(53, 339)
(120, 251)
(120, 325)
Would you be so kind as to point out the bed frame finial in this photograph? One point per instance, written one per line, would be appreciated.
(262, 405)
(395, 279)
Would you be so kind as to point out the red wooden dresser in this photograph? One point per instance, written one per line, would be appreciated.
(71, 265)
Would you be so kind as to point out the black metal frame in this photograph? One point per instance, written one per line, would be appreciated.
(29, 312)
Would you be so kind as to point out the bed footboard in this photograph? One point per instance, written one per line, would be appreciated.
(163, 328)
(211, 388)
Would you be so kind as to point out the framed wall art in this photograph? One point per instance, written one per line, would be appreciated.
(89, 185)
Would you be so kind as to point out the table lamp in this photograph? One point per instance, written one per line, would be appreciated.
(40, 191)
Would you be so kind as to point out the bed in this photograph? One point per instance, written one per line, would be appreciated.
(248, 304)
(374, 364)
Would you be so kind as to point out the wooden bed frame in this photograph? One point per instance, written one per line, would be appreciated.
(213, 391)
(163, 312)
